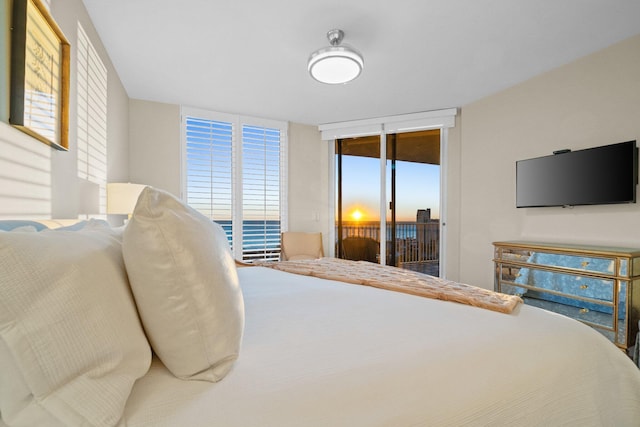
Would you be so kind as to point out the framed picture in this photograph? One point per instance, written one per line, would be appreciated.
(39, 101)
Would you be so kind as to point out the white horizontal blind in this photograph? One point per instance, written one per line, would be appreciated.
(235, 175)
(261, 193)
(92, 117)
(210, 168)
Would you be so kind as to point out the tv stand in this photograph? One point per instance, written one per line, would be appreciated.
(599, 286)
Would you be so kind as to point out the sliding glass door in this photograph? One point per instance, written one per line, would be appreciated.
(358, 204)
(410, 193)
(413, 189)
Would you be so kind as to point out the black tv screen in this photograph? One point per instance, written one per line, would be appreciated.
(600, 175)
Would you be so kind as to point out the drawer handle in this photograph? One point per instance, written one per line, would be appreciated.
(584, 264)
(584, 286)
(584, 310)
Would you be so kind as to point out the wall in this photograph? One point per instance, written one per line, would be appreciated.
(5, 55)
(592, 101)
(451, 225)
(154, 151)
(37, 181)
(308, 181)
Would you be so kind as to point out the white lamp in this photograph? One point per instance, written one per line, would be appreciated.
(337, 63)
(122, 197)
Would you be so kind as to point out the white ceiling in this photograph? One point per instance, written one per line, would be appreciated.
(250, 57)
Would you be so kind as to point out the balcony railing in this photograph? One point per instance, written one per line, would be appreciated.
(416, 243)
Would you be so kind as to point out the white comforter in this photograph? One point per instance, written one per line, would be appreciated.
(323, 353)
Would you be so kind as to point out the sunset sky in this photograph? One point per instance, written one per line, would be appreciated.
(418, 187)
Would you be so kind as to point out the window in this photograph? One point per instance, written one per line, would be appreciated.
(235, 174)
(92, 117)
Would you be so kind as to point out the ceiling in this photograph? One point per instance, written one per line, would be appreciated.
(419, 147)
(250, 57)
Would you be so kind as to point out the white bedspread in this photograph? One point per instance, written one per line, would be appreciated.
(324, 353)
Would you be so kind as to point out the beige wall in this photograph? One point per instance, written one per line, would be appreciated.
(154, 151)
(5, 55)
(590, 102)
(308, 181)
(37, 181)
(451, 223)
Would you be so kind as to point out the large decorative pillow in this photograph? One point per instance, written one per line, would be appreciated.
(71, 343)
(185, 284)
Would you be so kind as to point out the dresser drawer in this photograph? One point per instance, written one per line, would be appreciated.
(602, 322)
(587, 263)
(599, 314)
(560, 284)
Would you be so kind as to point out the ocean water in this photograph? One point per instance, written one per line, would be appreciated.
(256, 234)
(404, 230)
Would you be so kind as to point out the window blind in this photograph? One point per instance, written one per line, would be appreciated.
(235, 174)
(210, 167)
(261, 192)
(92, 117)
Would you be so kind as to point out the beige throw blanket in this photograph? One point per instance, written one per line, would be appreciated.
(397, 279)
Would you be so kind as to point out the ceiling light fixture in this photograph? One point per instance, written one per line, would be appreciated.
(337, 63)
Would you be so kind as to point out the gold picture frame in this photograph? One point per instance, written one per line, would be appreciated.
(39, 101)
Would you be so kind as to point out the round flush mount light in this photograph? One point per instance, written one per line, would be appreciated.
(337, 63)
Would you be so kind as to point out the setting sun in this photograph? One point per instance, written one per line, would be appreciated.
(356, 215)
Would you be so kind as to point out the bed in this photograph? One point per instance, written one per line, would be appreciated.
(318, 352)
(326, 353)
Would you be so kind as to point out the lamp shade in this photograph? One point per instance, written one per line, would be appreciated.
(337, 63)
(122, 197)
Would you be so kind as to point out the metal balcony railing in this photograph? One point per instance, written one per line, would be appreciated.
(415, 242)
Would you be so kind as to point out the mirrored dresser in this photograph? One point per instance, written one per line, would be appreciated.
(597, 285)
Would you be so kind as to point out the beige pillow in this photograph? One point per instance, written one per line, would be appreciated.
(71, 343)
(185, 284)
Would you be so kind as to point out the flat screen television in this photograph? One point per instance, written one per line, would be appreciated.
(594, 176)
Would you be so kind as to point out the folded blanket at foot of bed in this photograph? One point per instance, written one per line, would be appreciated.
(399, 280)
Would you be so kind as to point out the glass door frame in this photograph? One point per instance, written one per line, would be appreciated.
(393, 201)
(440, 119)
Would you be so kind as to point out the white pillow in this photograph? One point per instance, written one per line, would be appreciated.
(71, 341)
(185, 284)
